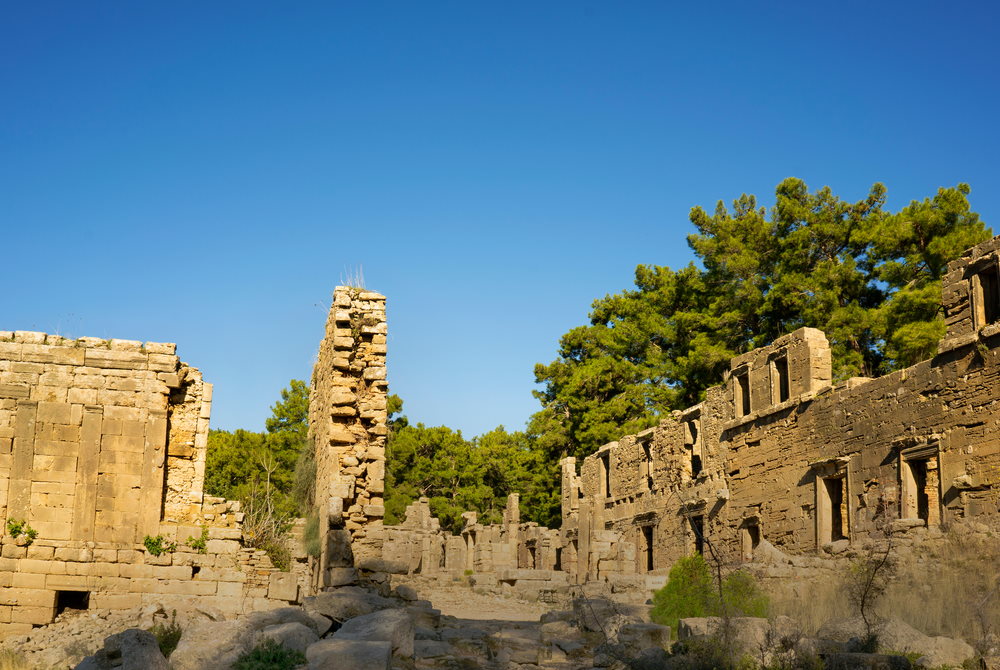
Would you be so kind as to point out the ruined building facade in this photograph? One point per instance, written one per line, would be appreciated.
(103, 446)
(777, 452)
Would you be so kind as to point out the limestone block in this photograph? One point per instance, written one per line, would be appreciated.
(394, 626)
(349, 655)
(291, 635)
(222, 546)
(283, 586)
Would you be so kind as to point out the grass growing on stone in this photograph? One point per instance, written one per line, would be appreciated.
(269, 655)
(167, 635)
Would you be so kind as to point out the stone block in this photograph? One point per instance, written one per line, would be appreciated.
(222, 546)
(283, 586)
(349, 655)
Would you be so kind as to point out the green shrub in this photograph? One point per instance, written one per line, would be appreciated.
(311, 534)
(199, 544)
(167, 635)
(17, 528)
(158, 545)
(691, 592)
(269, 655)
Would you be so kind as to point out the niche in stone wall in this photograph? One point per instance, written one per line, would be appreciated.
(986, 294)
(692, 442)
(741, 392)
(832, 496)
(779, 379)
(919, 483)
(749, 537)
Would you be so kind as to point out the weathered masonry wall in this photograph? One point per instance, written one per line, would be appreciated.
(777, 452)
(781, 453)
(347, 424)
(102, 445)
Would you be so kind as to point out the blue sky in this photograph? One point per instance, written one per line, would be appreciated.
(206, 173)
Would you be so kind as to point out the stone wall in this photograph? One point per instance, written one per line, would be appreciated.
(347, 425)
(103, 446)
(777, 452)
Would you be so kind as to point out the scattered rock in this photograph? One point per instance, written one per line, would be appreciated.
(334, 654)
(132, 649)
(346, 603)
(898, 636)
(291, 635)
(394, 626)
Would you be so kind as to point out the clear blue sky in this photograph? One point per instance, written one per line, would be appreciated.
(206, 172)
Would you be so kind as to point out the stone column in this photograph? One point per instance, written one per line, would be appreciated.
(347, 425)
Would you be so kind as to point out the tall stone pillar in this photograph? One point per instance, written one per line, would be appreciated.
(347, 426)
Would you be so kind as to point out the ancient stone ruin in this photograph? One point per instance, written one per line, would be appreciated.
(778, 452)
(347, 425)
(103, 446)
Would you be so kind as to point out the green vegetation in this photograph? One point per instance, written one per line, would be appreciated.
(311, 534)
(456, 474)
(157, 546)
(167, 635)
(17, 528)
(200, 543)
(692, 592)
(265, 471)
(868, 278)
(269, 655)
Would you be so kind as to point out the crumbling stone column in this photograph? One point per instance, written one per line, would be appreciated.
(347, 425)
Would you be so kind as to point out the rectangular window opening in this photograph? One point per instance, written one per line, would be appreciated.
(647, 536)
(781, 382)
(558, 563)
(606, 464)
(531, 558)
(698, 529)
(917, 495)
(835, 494)
(989, 296)
(72, 600)
(743, 394)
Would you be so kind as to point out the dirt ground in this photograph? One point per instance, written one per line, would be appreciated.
(462, 602)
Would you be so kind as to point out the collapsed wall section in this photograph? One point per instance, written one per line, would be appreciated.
(347, 425)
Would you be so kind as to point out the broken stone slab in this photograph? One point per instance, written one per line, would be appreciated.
(292, 635)
(407, 592)
(346, 603)
(212, 645)
(395, 626)
(282, 615)
(334, 654)
(132, 649)
(431, 649)
(635, 637)
(515, 646)
(898, 636)
(341, 576)
(375, 564)
(601, 615)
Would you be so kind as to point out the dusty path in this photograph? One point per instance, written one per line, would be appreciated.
(462, 602)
